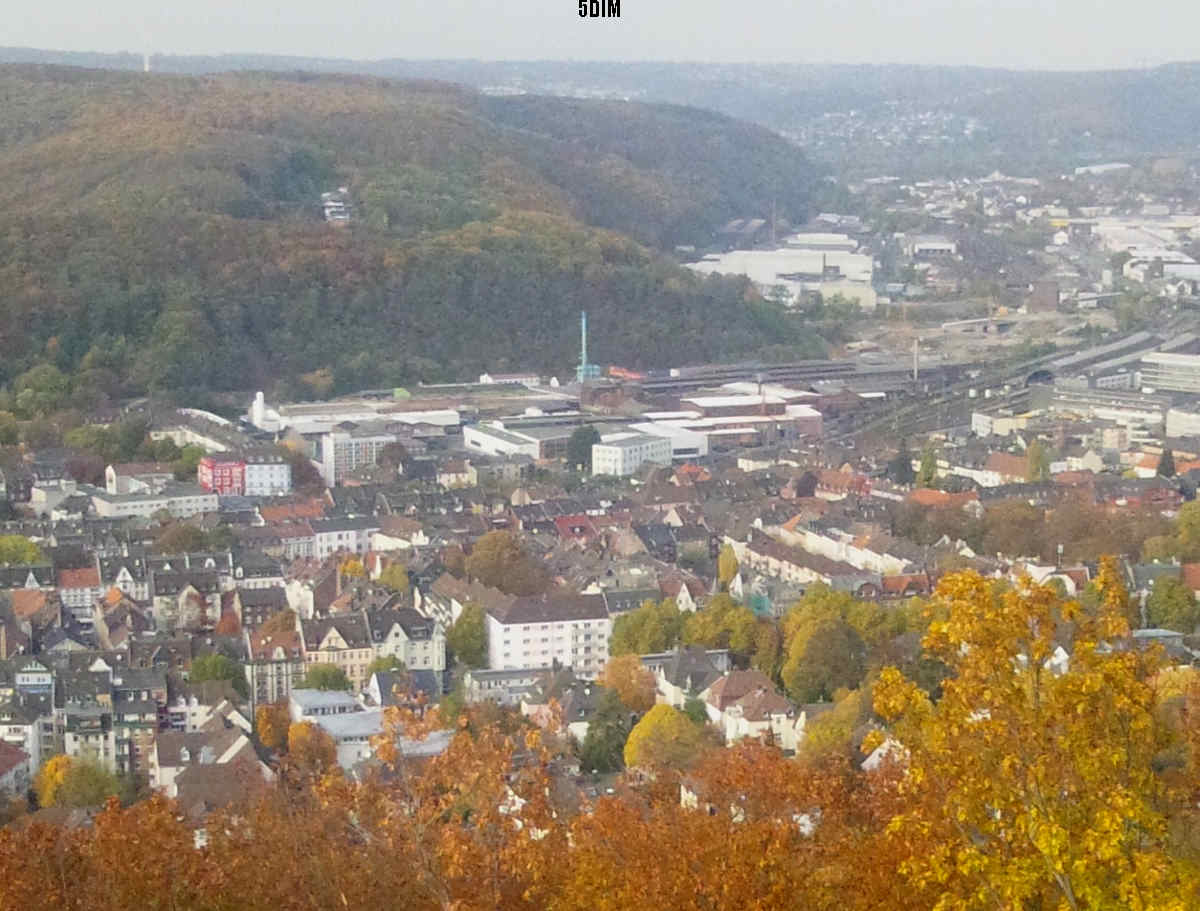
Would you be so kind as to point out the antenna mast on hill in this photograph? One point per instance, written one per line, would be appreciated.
(584, 371)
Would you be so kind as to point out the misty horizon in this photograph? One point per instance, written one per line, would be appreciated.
(1073, 36)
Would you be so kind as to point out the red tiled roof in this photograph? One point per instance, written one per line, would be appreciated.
(927, 496)
(79, 578)
(11, 757)
(27, 601)
(736, 685)
(842, 480)
(303, 509)
(1190, 574)
(1008, 465)
(567, 526)
(262, 646)
(898, 585)
(1074, 478)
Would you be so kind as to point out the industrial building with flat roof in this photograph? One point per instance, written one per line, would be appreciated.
(1165, 372)
(623, 454)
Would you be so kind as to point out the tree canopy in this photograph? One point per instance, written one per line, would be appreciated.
(654, 627)
(395, 577)
(497, 559)
(218, 667)
(467, 637)
(325, 677)
(665, 737)
(579, 447)
(603, 746)
(1172, 605)
(17, 549)
(65, 781)
(633, 683)
(1062, 807)
(1166, 464)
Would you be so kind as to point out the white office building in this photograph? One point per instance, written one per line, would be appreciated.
(1171, 372)
(623, 454)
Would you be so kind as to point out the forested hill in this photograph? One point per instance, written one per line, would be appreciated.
(164, 232)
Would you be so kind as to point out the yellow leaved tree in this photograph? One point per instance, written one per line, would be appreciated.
(49, 779)
(665, 737)
(1031, 782)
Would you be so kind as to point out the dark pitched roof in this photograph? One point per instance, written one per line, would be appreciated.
(351, 627)
(620, 601)
(691, 669)
(415, 625)
(551, 608)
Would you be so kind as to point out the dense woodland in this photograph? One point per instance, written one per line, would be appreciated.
(164, 233)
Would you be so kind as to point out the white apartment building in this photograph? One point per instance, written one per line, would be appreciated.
(29, 725)
(179, 499)
(267, 476)
(405, 634)
(332, 535)
(349, 447)
(1181, 423)
(623, 454)
(536, 632)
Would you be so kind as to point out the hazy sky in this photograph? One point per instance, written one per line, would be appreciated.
(1050, 34)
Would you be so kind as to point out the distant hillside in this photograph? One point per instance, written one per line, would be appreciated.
(163, 232)
(1019, 120)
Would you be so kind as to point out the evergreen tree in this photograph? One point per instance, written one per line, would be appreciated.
(928, 470)
(607, 732)
(899, 469)
(1166, 463)
(579, 448)
(1038, 457)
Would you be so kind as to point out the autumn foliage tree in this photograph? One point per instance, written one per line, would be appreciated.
(271, 723)
(310, 750)
(655, 626)
(64, 781)
(1027, 782)
(631, 681)
(498, 560)
(723, 623)
(1030, 784)
(727, 565)
(664, 738)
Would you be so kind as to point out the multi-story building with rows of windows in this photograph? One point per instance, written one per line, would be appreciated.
(572, 630)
